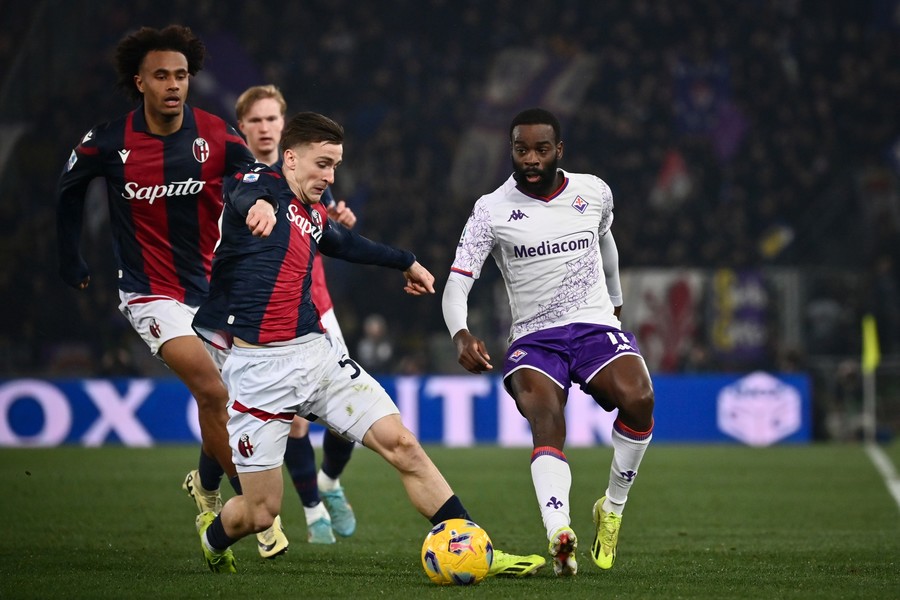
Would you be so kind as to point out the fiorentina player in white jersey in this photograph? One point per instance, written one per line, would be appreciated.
(549, 233)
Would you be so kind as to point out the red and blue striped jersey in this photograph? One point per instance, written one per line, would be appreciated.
(320, 295)
(261, 287)
(165, 200)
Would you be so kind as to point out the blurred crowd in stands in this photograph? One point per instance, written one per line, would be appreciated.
(734, 134)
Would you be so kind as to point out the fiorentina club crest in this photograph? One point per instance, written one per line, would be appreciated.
(628, 475)
(201, 150)
(244, 446)
(580, 204)
(517, 355)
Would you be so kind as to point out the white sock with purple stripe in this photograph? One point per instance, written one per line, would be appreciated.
(552, 480)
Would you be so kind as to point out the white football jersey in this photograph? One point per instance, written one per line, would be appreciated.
(548, 250)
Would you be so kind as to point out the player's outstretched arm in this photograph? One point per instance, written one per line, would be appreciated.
(419, 280)
(471, 352)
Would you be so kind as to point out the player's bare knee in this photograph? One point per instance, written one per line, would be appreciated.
(407, 453)
(547, 423)
(211, 398)
(639, 403)
(407, 444)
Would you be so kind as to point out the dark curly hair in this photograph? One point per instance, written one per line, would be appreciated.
(535, 116)
(134, 47)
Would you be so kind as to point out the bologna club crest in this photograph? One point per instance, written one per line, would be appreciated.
(201, 150)
(244, 446)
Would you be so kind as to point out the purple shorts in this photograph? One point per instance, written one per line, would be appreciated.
(570, 353)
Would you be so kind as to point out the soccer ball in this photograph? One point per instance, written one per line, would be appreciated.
(457, 552)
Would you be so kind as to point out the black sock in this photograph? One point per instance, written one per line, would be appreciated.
(210, 472)
(336, 451)
(452, 509)
(216, 536)
(300, 459)
(236, 485)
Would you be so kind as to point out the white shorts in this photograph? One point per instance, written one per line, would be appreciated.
(314, 379)
(158, 319)
(330, 323)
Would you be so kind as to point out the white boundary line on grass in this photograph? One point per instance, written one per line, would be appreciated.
(886, 468)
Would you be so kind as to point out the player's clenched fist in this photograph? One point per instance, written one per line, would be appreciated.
(471, 352)
(261, 218)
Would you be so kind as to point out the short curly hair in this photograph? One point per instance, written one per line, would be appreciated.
(535, 116)
(132, 49)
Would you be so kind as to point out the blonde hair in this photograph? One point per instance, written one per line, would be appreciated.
(253, 94)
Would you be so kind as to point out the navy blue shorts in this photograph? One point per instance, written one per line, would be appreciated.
(570, 353)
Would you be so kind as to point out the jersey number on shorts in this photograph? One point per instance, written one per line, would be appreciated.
(352, 363)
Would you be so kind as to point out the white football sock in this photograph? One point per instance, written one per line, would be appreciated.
(314, 513)
(326, 483)
(552, 480)
(627, 455)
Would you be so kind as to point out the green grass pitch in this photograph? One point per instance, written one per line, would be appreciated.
(707, 521)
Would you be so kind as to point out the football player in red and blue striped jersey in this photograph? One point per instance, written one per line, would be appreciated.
(163, 164)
